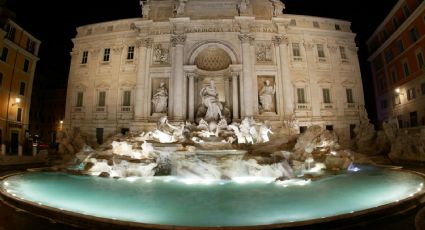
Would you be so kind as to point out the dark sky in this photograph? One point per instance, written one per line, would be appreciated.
(54, 23)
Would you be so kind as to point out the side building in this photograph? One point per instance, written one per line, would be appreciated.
(398, 64)
(271, 66)
(18, 59)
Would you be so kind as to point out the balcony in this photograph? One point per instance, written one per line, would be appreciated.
(100, 113)
(78, 113)
(127, 109)
(326, 106)
(77, 109)
(303, 110)
(126, 113)
(303, 106)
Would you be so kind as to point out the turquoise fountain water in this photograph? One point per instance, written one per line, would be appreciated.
(183, 202)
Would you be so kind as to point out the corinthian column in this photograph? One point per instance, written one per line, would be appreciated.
(141, 86)
(191, 96)
(248, 94)
(235, 97)
(288, 95)
(179, 96)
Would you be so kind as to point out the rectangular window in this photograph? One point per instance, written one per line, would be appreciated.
(343, 53)
(397, 100)
(400, 46)
(126, 98)
(337, 27)
(26, 65)
(102, 99)
(4, 54)
(22, 88)
(389, 56)
(349, 93)
(19, 114)
(420, 59)
(296, 51)
(395, 23)
(301, 95)
(384, 104)
(99, 135)
(11, 31)
(30, 45)
(130, 53)
(293, 22)
(79, 102)
(406, 10)
(320, 51)
(423, 88)
(316, 24)
(406, 69)
(377, 63)
(109, 28)
(326, 96)
(106, 54)
(411, 94)
(85, 57)
(393, 76)
(413, 34)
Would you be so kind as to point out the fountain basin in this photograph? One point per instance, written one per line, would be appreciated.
(165, 202)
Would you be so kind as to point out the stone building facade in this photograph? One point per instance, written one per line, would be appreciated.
(263, 64)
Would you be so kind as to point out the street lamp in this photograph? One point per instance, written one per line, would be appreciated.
(17, 101)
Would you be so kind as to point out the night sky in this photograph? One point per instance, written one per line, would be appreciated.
(41, 17)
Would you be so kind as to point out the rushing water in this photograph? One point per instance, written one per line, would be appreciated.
(241, 202)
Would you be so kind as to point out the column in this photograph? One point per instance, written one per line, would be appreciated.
(227, 90)
(178, 82)
(191, 77)
(235, 95)
(140, 79)
(288, 95)
(248, 94)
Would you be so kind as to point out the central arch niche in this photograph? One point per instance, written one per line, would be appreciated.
(213, 59)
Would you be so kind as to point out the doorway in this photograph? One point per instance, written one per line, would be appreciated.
(14, 142)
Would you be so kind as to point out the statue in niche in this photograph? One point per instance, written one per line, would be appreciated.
(160, 98)
(160, 54)
(210, 100)
(145, 7)
(266, 96)
(179, 9)
(243, 7)
(278, 7)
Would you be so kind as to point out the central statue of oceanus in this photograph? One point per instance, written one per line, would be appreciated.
(211, 109)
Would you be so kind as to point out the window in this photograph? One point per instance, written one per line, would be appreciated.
(337, 27)
(293, 22)
(19, 114)
(109, 28)
(26, 65)
(101, 99)
(301, 95)
(423, 88)
(85, 57)
(384, 104)
(413, 34)
(106, 54)
(397, 100)
(4, 54)
(320, 51)
(1, 79)
(326, 96)
(349, 93)
(79, 102)
(395, 23)
(377, 63)
(389, 56)
(406, 69)
(329, 127)
(316, 24)
(10, 30)
(393, 75)
(411, 94)
(126, 98)
(22, 88)
(400, 46)
(406, 10)
(420, 59)
(130, 53)
(30, 45)
(296, 51)
(343, 53)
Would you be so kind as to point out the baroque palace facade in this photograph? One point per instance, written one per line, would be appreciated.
(259, 62)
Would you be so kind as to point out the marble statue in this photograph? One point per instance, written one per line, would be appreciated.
(264, 133)
(180, 7)
(278, 7)
(266, 96)
(160, 54)
(243, 7)
(160, 98)
(144, 5)
(210, 100)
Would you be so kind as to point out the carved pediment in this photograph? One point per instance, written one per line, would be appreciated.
(127, 85)
(80, 86)
(103, 85)
(348, 82)
(325, 80)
